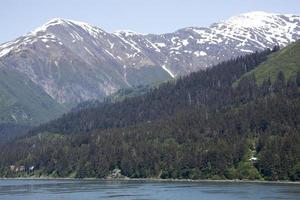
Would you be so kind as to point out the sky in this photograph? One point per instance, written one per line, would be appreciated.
(17, 17)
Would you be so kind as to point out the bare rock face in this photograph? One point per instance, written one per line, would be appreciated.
(74, 61)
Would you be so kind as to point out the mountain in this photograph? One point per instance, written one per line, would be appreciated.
(197, 127)
(74, 61)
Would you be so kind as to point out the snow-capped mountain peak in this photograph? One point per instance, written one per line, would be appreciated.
(252, 19)
(92, 30)
(52, 22)
(258, 20)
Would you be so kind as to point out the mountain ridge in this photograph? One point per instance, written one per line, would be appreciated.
(74, 61)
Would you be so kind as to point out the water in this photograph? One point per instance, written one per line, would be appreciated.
(143, 190)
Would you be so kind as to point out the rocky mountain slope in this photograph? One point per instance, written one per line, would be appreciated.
(74, 61)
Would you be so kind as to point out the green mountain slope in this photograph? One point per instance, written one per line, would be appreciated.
(286, 60)
(23, 102)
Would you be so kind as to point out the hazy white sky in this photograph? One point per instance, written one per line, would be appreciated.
(18, 17)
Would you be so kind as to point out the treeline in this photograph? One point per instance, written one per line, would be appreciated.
(120, 95)
(213, 124)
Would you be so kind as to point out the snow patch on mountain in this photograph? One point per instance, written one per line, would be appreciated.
(169, 71)
(200, 53)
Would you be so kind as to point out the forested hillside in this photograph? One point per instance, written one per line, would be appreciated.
(213, 124)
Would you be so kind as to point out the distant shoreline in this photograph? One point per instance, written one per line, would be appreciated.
(158, 180)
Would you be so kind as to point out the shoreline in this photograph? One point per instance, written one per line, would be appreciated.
(157, 180)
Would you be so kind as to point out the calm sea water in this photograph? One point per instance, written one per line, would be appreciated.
(87, 190)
